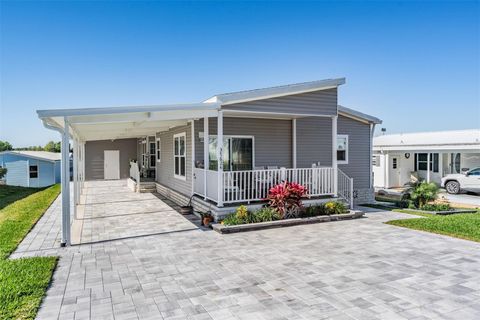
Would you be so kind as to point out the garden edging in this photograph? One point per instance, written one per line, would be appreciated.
(446, 212)
(223, 229)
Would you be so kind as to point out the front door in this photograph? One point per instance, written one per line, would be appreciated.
(395, 172)
(111, 165)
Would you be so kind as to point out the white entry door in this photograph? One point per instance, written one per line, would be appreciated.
(111, 165)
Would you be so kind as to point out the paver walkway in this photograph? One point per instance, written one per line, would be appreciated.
(358, 269)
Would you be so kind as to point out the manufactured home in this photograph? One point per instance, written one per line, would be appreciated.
(227, 150)
(401, 158)
(34, 169)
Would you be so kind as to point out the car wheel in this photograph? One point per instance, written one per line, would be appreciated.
(452, 187)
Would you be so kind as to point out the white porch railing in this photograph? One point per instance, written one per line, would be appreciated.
(134, 171)
(345, 187)
(211, 183)
(253, 185)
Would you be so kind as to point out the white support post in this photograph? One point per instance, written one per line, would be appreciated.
(75, 173)
(294, 143)
(387, 170)
(65, 185)
(220, 158)
(334, 155)
(206, 161)
(372, 130)
(429, 161)
(193, 155)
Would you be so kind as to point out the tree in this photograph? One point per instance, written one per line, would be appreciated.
(5, 146)
(3, 172)
(52, 146)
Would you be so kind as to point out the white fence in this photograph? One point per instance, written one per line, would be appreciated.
(134, 172)
(253, 185)
(345, 187)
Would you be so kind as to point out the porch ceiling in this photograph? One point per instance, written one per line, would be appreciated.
(125, 122)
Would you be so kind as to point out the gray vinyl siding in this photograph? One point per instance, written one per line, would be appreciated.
(165, 168)
(323, 102)
(358, 166)
(94, 156)
(272, 138)
(314, 141)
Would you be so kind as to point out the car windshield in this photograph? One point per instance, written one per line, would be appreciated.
(474, 172)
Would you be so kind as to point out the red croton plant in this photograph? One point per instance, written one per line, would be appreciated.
(286, 198)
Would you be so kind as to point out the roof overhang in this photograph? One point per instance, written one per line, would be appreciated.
(90, 124)
(473, 148)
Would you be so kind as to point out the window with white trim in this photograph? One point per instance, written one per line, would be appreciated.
(33, 171)
(152, 154)
(159, 150)
(180, 156)
(342, 149)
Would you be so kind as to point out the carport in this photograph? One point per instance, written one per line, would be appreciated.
(92, 124)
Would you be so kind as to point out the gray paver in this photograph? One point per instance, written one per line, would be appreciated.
(359, 269)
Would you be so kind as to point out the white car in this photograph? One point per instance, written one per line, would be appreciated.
(468, 181)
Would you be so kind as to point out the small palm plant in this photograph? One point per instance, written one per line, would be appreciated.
(424, 193)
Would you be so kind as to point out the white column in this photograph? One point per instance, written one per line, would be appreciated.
(75, 172)
(206, 161)
(294, 143)
(220, 158)
(387, 170)
(193, 155)
(372, 130)
(65, 185)
(334, 155)
(429, 160)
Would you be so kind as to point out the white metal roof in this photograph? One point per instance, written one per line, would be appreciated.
(278, 91)
(42, 155)
(439, 140)
(137, 121)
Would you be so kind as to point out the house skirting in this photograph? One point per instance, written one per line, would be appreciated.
(365, 195)
(201, 205)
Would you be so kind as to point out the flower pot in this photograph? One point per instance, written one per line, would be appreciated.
(185, 210)
(206, 221)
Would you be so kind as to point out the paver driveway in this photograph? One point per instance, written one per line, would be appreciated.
(359, 269)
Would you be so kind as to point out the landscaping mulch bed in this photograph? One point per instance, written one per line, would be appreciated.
(223, 229)
(446, 212)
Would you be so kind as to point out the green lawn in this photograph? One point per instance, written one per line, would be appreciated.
(22, 281)
(463, 226)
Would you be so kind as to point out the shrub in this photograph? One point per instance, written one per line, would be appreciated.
(423, 193)
(3, 172)
(286, 198)
(334, 207)
(231, 220)
(436, 207)
(266, 214)
(405, 204)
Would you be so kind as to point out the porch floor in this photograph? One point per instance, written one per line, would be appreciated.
(110, 210)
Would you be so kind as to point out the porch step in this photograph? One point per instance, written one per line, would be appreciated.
(147, 189)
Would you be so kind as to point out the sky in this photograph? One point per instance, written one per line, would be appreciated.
(415, 65)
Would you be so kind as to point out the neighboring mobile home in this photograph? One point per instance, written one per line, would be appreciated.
(33, 169)
(401, 158)
(295, 132)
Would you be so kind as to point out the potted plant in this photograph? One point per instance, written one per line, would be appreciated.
(207, 218)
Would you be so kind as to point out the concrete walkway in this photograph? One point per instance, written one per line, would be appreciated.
(112, 211)
(358, 269)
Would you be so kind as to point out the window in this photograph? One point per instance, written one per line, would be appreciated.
(474, 172)
(152, 154)
(421, 161)
(237, 153)
(394, 163)
(33, 171)
(179, 155)
(159, 153)
(342, 148)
